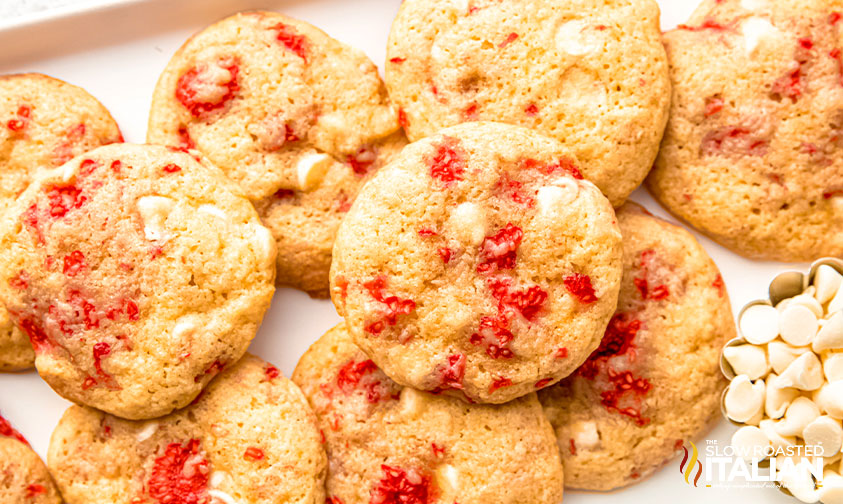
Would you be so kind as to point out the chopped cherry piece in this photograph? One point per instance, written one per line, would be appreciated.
(580, 286)
(208, 87)
(292, 40)
(253, 454)
(180, 475)
(447, 163)
(499, 383)
(562, 353)
(400, 486)
(74, 263)
(499, 251)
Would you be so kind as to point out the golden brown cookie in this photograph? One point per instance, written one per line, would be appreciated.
(389, 444)
(592, 75)
(655, 380)
(249, 438)
(138, 274)
(23, 476)
(478, 262)
(297, 118)
(753, 153)
(44, 122)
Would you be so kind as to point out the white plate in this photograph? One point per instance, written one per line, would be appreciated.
(117, 51)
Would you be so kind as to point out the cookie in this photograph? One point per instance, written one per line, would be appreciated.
(297, 118)
(655, 380)
(752, 155)
(478, 262)
(250, 438)
(24, 476)
(44, 122)
(138, 273)
(592, 75)
(389, 444)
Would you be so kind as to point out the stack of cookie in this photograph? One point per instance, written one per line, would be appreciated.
(512, 325)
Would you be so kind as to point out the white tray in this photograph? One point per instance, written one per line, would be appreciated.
(116, 49)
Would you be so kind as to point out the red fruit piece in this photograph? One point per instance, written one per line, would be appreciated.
(713, 105)
(543, 383)
(427, 232)
(272, 372)
(74, 262)
(20, 122)
(171, 168)
(562, 166)
(837, 55)
(61, 200)
(397, 60)
(447, 163)
(7, 430)
(185, 141)
(512, 37)
(333, 500)
(365, 376)
(445, 254)
(532, 110)
(394, 306)
(499, 383)
(494, 335)
(19, 281)
(451, 373)
(438, 451)
(362, 161)
(402, 118)
(35, 489)
(214, 369)
(708, 24)
(617, 340)
(572, 447)
(529, 302)
(499, 251)
(400, 486)
(580, 286)
(731, 140)
(253, 454)
(37, 336)
(790, 85)
(835, 18)
(180, 475)
(208, 87)
(515, 191)
(625, 383)
(562, 353)
(719, 285)
(292, 40)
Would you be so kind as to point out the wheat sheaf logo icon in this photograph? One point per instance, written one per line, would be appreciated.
(686, 467)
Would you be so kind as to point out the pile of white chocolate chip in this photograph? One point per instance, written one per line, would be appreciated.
(788, 388)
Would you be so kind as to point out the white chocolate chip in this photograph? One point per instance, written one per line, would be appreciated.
(154, 211)
(827, 281)
(808, 302)
(562, 192)
(778, 399)
(804, 373)
(798, 325)
(412, 402)
(831, 491)
(448, 478)
(781, 354)
(759, 324)
(311, 169)
(753, 5)
(185, 328)
(585, 435)
(68, 172)
(831, 335)
(797, 479)
(574, 38)
(833, 367)
(212, 210)
(830, 399)
(836, 303)
(468, 224)
(747, 359)
(776, 439)
(750, 443)
(264, 245)
(744, 399)
(218, 478)
(437, 54)
(219, 494)
(824, 432)
(800, 413)
(756, 30)
(149, 428)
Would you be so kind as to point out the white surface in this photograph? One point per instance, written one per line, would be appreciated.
(117, 54)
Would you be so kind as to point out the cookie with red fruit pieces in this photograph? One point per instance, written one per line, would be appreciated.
(249, 438)
(25, 478)
(753, 151)
(478, 263)
(298, 119)
(138, 273)
(392, 444)
(44, 122)
(655, 380)
(592, 75)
